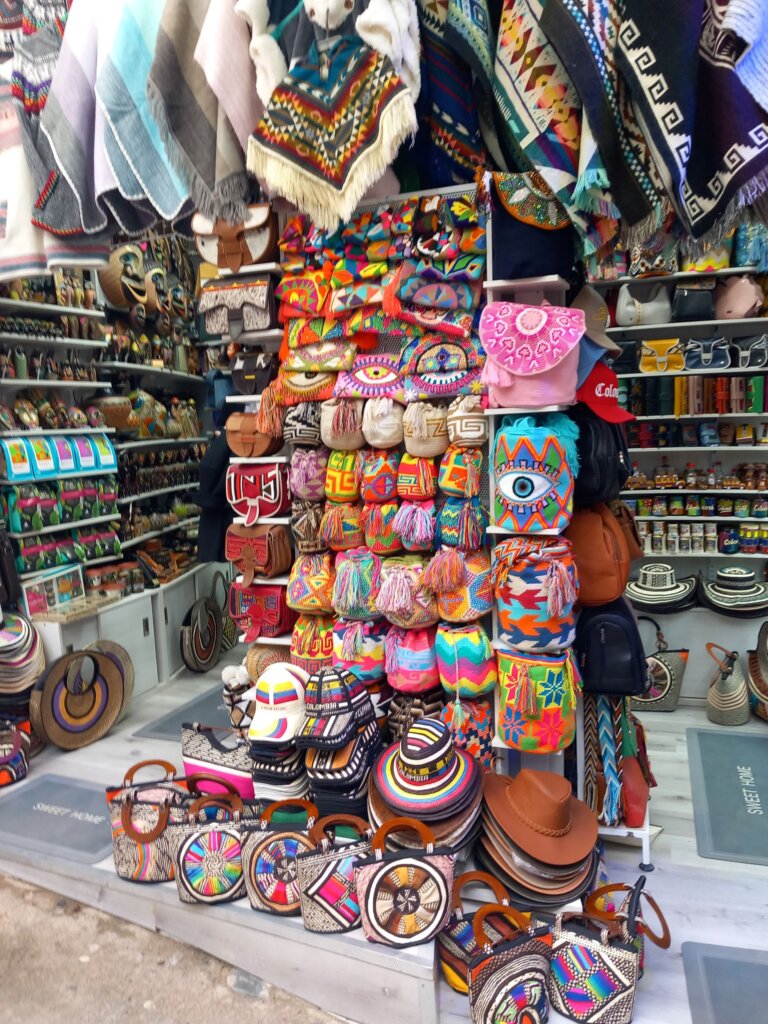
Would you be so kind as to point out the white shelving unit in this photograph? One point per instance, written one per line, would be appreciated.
(160, 374)
(159, 442)
(185, 524)
(47, 311)
(64, 527)
(18, 383)
(40, 341)
(679, 277)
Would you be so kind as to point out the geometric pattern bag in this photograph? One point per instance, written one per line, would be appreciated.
(326, 876)
(473, 597)
(14, 754)
(537, 700)
(312, 642)
(508, 977)
(269, 860)
(456, 943)
(208, 855)
(405, 896)
(466, 660)
(727, 696)
(310, 585)
(594, 971)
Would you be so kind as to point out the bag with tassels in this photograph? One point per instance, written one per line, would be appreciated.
(341, 423)
(378, 522)
(312, 643)
(463, 594)
(466, 661)
(411, 660)
(358, 647)
(537, 701)
(403, 598)
(425, 429)
(358, 579)
(341, 527)
(415, 524)
(462, 523)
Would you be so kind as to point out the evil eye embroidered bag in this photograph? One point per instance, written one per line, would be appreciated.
(536, 586)
(466, 661)
(440, 366)
(532, 354)
(358, 647)
(374, 375)
(309, 467)
(358, 579)
(537, 700)
(535, 465)
(380, 535)
(379, 475)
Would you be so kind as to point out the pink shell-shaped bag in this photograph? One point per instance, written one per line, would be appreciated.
(532, 354)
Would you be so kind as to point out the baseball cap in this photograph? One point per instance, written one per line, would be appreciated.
(596, 315)
(600, 392)
(336, 705)
(278, 704)
(589, 354)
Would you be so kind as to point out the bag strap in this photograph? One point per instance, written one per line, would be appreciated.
(725, 666)
(225, 802)
(661, 643)
(321, 828)
(219, 575)
(168, 768)
(306, 805)
(498, 890)
(143, 837)
(423, 831)
(521, 923)
(630, 915)
(15, 746)
(193, 784)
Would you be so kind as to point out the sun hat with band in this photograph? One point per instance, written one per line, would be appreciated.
(735, 592)
(278, 705)
(658, 588)
(539, 813)
(425, 775)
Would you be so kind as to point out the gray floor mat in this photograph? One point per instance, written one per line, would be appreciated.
(207, 709)
(726, 985)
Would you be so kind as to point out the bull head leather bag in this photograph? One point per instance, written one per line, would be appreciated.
(240, 246)
(246, 441)
(258, 491)
(259, 550)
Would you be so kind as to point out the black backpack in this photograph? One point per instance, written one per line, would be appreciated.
(610, 651)
(603, 457)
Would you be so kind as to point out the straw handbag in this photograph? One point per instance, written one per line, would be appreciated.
(727, 697)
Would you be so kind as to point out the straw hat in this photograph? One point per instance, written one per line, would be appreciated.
(658, 588)
(735, 592)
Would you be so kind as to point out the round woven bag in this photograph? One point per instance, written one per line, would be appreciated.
(77, 700)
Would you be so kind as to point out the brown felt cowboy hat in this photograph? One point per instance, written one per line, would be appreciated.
(539, 813)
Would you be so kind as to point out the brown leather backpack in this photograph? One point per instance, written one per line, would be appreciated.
(601, 555)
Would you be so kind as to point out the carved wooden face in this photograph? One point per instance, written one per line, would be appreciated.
(156, 284)
(123, 279)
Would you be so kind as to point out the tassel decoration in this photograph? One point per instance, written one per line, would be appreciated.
(345, 419)
(417, 420)
(391, 304)
(308, 637)
(424, 478)
(414, 523)
(395, 594)
(332, 525)
(393, 640)
(470, 529)
(269, 419)
(559, 587)
(526, 691)
(352, 643)
(446, 572)
(459, 716)
(473, 460)
(348, 588)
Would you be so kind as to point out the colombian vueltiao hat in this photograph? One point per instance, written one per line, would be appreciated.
(657, 588)
(735, 592)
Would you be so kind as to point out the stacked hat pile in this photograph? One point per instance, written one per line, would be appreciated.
(22, 661)
(537, 839)
(426, 776)
(341, 738)
(279, 770)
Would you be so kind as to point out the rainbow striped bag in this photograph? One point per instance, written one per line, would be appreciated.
(380, 536)
(312, 643)
(358, 647)
(466, 661)
(536, 586)
(358, 579)
(411, 660)
(537, 700)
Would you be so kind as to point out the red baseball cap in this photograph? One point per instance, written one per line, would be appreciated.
(600, 391)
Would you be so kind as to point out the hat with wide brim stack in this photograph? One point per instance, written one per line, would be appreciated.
(537, 837)
(456, 831)
(735, 592)
(658, 589)
(424, 775)
(757, 664)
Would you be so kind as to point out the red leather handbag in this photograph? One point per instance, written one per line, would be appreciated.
(260, 610)
(258, 491)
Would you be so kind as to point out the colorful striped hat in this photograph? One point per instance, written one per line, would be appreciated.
(337, 704)
(424, 774)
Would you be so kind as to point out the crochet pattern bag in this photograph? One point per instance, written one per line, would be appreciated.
(593, 971)
(306, 517)
(456, 944)
(302, 424)
(466, 662)
(310, 585)
(341, 424)
(472, 595)
(471, 725)
(532, 354)
(425, 430)
(312, 643)
(380, 536)
(342, 478)
(435, 365)
(404, 896)
(411, 661)
(342, 526)
(208, 855)
(537, 700)
(326, 876)
(358, 579)
(416, 478)
(536, 586)
(259, 550)
(467, 423)
(373, 376)
(320, 356)
(727, 696)
(460, 472)
(306, 477)
(383, 423)
(358, 647)
(403, 598)
(379, 475)
(462, 523)
(415, 524)
(269, 859)
(510, 971)
(238, 306)
(258, 491)
(535, 464)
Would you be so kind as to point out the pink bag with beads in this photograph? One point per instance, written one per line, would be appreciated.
(532, 354)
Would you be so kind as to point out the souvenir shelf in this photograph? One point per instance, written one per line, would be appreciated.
(76, 474)
(710, 417)
(147, 495)
(83, 565)
(57, 432)
(17, 383)
(48, 310)
(734, 448)
(731, 371)
(681, 275)
(269, 339)
(693, 328)
(34, 341)
(258, 268)
(62, 527)
(159, 442)
(243, 400)
(161, 374)
(185, 524)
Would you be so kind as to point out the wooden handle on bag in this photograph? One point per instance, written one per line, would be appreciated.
(226, 802)
(168, 768)
(730, 656)
(498, 890)
(305, 805)
(320, 829)
(423, 831)
(478, 923)
(196, 778)
(143, 837)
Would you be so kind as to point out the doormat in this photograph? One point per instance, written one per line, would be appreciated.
(729, 777)
(207, 709)
(726, 985)
(54, 815)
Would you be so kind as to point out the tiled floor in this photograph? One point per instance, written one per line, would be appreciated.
(704, 900)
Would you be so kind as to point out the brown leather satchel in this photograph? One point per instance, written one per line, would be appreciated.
(244, 439)
(236, 246)
(259, 550)
(627, 522)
